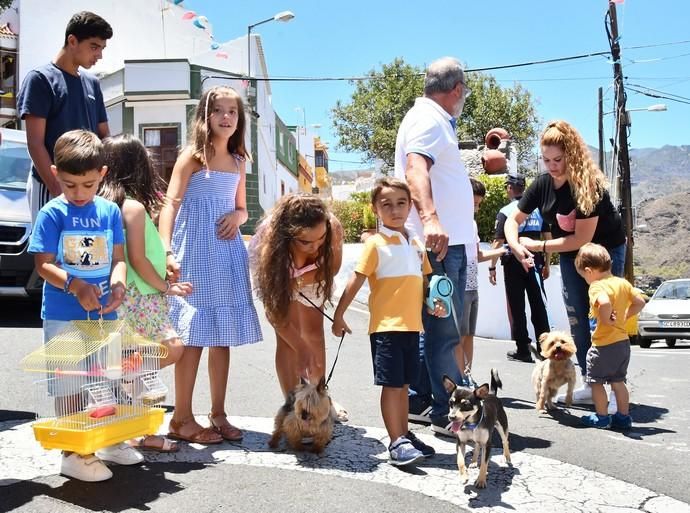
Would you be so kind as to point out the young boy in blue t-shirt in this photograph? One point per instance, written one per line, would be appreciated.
(78, 247)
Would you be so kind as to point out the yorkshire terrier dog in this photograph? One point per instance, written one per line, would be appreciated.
(306, 419)
(554, 369)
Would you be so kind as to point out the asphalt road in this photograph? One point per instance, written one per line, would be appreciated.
(653, 455)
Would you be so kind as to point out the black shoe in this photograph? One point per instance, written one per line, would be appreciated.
(520, 356)
(442, 426)
(425, 449)
(419, 410)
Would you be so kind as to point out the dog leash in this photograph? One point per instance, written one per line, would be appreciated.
(330, 374)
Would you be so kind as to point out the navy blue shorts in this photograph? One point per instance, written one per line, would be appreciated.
(395, 355)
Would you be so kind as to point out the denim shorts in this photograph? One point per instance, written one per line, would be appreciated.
(609, 363)
(395, 355)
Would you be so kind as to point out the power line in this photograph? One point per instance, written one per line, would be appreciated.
(660, 92)
(652, 95)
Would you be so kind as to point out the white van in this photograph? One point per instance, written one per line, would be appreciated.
(17, 276)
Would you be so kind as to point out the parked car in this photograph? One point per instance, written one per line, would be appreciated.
(667, 314)
(17, 276)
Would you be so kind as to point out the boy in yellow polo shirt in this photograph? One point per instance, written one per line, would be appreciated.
(395, 265)
(612, 301)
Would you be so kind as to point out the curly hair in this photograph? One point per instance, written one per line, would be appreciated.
(292, 214)
(587, 182)
(131, 174)
(200, 138)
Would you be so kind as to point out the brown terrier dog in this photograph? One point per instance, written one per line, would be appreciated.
(306, 419)
(554, 369)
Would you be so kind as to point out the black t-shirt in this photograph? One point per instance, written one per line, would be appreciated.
(557, 206)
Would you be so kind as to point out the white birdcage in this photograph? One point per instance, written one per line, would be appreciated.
(101, 386)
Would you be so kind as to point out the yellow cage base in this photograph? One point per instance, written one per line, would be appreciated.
(54, 433)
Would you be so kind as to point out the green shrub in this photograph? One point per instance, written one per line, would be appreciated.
(351, 216)
(361, 197)
(368, 216)
(496, 198)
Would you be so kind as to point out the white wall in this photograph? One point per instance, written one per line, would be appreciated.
(142, 29)
(166, 75)
(492, 321)
(172, 111)
(115, 118)
(285, 175)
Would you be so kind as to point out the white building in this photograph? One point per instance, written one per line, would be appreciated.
(153, 72)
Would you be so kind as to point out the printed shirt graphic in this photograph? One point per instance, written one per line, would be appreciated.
(82, 240)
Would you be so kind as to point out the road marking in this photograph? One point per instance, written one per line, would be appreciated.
(359, 452)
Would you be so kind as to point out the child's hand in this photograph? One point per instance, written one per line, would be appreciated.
(613, 316)
(439, 309)
(340, 327)
(117, 295)
(228, 226)
(88, 295)
(172, 271)
(179, 289)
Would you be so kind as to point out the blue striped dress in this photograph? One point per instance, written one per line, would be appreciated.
(220, 312)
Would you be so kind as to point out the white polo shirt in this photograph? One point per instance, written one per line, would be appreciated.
(426, 129)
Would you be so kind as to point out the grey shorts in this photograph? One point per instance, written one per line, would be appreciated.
(468, 324)
(608, 364)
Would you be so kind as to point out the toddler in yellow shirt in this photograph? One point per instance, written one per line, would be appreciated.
(612, 301)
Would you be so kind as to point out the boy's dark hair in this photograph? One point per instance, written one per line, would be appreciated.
(78, 151)
(85, 24)
(593, 256)
(389, 181)
(478, 188)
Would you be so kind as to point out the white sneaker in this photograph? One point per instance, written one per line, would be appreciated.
(613, 405)
(402, 452)
(85, 468)
(122, 454)
(582, 395)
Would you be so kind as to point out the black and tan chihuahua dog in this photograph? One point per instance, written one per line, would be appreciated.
(474, 415)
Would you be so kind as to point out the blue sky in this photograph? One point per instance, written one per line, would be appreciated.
(342, 39)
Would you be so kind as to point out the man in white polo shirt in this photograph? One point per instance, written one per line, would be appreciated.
(428, 158)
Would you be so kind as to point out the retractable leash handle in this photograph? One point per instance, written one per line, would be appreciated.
(441, 290)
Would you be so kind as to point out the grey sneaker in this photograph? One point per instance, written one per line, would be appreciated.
(402, 452)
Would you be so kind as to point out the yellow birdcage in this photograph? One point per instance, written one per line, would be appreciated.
(101, 386)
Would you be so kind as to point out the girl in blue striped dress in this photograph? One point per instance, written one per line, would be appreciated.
(200, 227)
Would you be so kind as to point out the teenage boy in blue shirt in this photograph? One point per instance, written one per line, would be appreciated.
(78, 247)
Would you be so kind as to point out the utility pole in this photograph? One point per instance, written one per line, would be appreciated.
(601, 129)
(623, 156)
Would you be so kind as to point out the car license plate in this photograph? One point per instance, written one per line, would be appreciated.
(675, 324)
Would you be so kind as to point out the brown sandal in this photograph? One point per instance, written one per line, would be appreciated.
(206, 436)
(155, 443)
(225, 429)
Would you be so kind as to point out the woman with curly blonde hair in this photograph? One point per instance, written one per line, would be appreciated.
(573, 198)
(295, 255)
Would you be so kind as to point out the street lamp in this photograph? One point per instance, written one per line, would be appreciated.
(283, 16)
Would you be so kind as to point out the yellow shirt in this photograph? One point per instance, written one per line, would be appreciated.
(395, 269)
(620, 294)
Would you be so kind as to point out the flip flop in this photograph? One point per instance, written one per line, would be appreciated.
(166, 446)
(226, 430)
